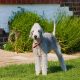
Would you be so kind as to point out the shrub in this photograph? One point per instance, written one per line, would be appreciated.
(22, 23)
(68, 32)
(8, 46)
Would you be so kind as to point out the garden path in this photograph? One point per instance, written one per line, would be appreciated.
(8, 58)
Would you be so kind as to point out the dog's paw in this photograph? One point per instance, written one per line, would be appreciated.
(37, 73)
(44, 74)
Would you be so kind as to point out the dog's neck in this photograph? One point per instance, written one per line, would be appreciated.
(36, 43)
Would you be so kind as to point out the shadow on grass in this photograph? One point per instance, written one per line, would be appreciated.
(53, 69)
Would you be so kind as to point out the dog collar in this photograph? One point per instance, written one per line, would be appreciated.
(36, 44)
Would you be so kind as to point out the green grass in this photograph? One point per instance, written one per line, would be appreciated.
(26, 72)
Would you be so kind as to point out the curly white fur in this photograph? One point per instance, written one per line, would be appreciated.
(42, 44)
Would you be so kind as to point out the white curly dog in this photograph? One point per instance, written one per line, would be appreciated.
(42, 44)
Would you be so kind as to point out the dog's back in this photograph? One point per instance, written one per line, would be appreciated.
(50, 40)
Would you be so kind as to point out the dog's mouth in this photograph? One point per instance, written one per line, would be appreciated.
(38, 40)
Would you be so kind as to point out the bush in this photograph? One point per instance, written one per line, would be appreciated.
(8, 46)
(21, 23)
(68, 33)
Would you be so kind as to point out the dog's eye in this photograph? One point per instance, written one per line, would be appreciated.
(39, 31)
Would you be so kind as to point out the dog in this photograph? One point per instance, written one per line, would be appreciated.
(43, 42)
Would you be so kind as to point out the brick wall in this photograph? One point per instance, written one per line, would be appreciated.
(3, 37)
(74, 5)
(3, 40)
(30, 1)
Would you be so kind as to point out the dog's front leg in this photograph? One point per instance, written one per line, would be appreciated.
(37, 64)
(44, 64)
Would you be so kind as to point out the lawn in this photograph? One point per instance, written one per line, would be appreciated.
(26, 72)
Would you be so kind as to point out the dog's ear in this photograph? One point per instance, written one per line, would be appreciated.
(31, 33)
(29, 36)
(42, 31)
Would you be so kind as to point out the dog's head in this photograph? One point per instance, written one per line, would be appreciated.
(36, 32)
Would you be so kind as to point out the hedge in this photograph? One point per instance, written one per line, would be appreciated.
(67, 31)
(21, 23)
(68, 34)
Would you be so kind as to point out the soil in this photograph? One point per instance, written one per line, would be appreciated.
(9, 58)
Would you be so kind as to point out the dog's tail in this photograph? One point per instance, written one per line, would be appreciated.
(54, 29)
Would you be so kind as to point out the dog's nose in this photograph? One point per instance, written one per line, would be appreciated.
(35, 37)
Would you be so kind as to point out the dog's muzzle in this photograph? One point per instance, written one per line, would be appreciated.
(35, 37)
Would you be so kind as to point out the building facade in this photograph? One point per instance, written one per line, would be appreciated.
(47, 8)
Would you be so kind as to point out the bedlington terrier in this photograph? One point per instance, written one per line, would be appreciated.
(42, 44)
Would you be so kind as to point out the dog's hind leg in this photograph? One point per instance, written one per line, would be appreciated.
(61, 59)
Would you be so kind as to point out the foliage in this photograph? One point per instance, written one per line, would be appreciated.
(8, 46)
(27, 72)
(22, 23)
(68, 32)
